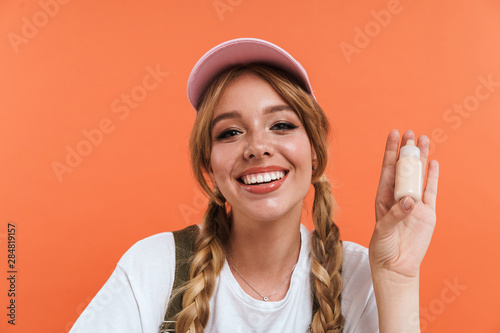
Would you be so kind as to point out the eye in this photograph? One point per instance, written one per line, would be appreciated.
(228, 134)
(283, 126)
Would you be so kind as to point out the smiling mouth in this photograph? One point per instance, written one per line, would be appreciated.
(262, 177)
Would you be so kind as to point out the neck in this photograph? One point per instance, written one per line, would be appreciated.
(265, 246)
(263, 253)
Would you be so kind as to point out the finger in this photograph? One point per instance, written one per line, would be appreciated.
(388, 171)
(423, 145)
(396, 214)
(430, 193)
(408, 135)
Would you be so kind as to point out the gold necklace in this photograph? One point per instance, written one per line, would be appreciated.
(266, 298)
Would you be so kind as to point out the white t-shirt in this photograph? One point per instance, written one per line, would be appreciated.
(135, 297)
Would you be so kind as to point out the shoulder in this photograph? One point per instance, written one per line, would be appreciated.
(356, 265)
(155, 245)
(151, 254)
(355, 255)
(356, 272)
(154, 255)
(135, 296)
(357, 289)
(358, 299)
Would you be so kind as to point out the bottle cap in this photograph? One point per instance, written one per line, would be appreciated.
(409, 150)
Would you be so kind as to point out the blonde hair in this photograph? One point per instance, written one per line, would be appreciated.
(209, 255)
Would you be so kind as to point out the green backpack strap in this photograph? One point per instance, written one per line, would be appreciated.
(184, 247)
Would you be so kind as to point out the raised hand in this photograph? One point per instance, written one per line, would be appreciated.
(403, 229)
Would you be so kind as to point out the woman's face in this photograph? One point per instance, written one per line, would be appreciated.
(261, 157)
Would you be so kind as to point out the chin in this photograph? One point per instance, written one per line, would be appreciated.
(272, 211)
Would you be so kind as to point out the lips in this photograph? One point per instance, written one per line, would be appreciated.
(263, 179)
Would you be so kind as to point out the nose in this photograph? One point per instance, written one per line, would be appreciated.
(258, 145)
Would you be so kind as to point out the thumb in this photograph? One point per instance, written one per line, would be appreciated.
(396, 214)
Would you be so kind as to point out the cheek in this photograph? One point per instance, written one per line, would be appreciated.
(219, 161)
(298, 151)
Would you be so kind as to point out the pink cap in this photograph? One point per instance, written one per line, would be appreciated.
(241, 51)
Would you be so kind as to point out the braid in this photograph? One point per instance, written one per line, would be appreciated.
(326, 269)
(208, 260)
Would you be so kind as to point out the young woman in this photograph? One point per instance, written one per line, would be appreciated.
(258, 143)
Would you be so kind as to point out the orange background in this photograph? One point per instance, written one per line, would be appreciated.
(64, 76)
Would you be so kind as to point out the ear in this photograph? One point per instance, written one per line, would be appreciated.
(314, 161)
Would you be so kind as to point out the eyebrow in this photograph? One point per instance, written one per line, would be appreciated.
(237, 114)
(226, 115)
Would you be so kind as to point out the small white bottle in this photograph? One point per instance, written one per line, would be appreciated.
(409, 179)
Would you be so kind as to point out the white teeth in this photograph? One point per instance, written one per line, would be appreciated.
(264, 177)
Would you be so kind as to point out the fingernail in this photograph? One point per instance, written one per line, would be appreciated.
(406, 203)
